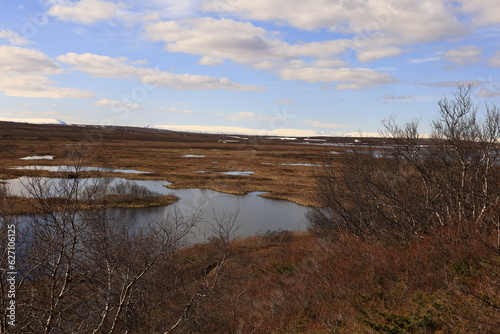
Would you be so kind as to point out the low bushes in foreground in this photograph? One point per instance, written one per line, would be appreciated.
(445, 283)
(277, 282)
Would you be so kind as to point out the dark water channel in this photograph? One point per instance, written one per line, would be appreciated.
(255, 214)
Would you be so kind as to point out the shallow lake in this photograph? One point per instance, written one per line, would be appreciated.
(255, 214)
(72, 168)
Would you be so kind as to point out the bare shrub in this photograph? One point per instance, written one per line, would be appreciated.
(83, 269)
(418, 184)
(80, 270)
(131, 188)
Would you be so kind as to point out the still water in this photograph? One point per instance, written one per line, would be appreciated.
(255, 214)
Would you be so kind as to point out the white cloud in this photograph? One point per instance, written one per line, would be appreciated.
(134, 17)
(241, 42)
(319, 124)
(309, 15)
(482, 12)
(329, 63)
(380, 27)
(38, 86)
(249, 116)
(350, 78)
(208, 60)
(121, 68)
(406, 20)
(17, 60)
(495, 60)
(485, 93)
(14, 38)
(84, 11)
(375, 54)
(425, 59)
(463, 55)
(101, 66)
(219, 39)
(215, 40)
(117, 105)
(23, 72)
(176, 110)
(264, 65)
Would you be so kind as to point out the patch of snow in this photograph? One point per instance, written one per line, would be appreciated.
(238, 173)
(281, 133)
(297, 164)
(39, 157)
(69, 169)
(228, 141)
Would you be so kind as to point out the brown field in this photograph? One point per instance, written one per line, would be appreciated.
(298, 283)
(442, 280)
(21, 206)
(161, 153)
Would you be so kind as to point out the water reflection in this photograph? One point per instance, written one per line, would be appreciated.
(82, 168)
(255, 214)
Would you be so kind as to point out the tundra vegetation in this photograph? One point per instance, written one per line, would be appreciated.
(402, 239)
(416, 187)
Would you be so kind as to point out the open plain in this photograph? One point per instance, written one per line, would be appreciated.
(334, 278)
(283, 168)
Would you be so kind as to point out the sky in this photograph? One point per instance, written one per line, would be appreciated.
(273, 67)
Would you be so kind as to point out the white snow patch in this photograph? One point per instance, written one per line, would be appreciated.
(39, 157)
(238, 173)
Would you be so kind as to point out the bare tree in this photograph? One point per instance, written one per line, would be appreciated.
(83, 267)
(200, 296)
(124, 256)
(416, 183)
(8, 243)
(54, 252)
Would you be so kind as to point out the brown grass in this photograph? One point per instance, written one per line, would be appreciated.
(160, 152)
(21, 206)
(283, 282)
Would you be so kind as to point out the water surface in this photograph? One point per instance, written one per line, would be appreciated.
(255, 214)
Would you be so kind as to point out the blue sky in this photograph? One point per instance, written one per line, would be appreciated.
(262, 66)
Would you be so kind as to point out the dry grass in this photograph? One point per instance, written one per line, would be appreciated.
(22, 206)
(161, 153)
(283, 282)
(280, 282)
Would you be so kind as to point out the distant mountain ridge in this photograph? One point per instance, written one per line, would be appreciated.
(223, 130)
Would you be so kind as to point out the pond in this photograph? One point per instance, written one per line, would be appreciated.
(255, 214)
(82, 168)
